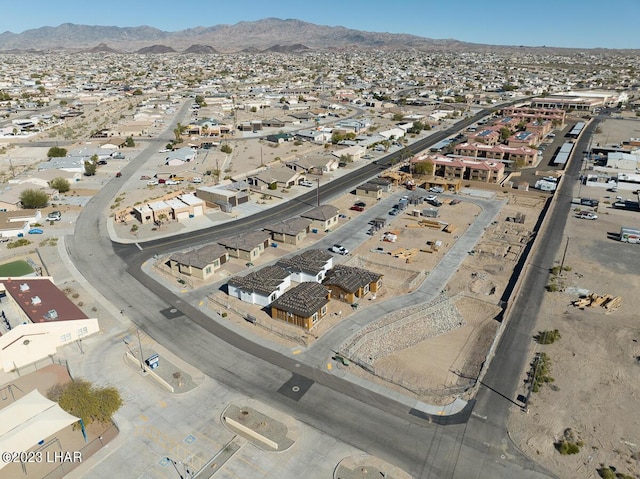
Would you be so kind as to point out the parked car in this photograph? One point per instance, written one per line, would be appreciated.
(306, 183)
(102, 162)
(54, 216)
(336, 248)
(152, 182)
(357, 208)
(145, 177)
(587, 215)
(171, 182)
(118, 174)
(431, 198)
(394, 212)
(197, 179)
(360, 203)
(35, 231)
(436, 189)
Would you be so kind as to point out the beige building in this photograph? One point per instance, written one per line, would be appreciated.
(323, 217)
(248, 246)
(36, 319)
(201, 263)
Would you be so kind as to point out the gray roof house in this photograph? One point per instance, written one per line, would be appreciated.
(290, 231)
(322, 217)
(247, 246)
(260, 287)
(311, 265)
(199, 262)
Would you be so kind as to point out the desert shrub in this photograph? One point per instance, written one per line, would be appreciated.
(565, 447)
(18, 243)
(547, 337)
(540, 372)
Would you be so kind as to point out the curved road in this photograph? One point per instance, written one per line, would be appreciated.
(426, 447)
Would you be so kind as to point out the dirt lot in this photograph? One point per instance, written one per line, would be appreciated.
(596, 362)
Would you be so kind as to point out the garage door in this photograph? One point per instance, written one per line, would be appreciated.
(197, 210)
(183, 215)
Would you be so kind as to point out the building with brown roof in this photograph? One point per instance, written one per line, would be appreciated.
(200, 263)
(322, 217)
(248, 246)
(348, 283)
(305, 305)
(290, 231)
(36, 318)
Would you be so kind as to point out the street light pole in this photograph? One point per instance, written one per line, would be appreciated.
(318, 192)
(144, 370)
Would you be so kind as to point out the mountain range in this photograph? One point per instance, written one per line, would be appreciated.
(267, 35)
(270, 34)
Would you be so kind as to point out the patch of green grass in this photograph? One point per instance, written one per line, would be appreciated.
(15, 268)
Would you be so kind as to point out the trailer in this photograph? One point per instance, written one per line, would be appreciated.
(629, 235)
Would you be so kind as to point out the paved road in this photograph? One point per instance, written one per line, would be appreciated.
(427, 447)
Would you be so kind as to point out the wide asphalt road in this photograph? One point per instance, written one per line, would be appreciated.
(426, 447)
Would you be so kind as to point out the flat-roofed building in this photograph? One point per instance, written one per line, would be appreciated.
(36, 319)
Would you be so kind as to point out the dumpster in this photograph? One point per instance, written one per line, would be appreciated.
(152, 361)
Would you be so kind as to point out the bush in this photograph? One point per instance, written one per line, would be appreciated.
(547, 337)
(566, 448)
(226, 149)
(540, 372)
(609, 472)
(57, 152)
(18, 243)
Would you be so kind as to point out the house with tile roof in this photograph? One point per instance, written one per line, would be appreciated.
(248, 246)
(200, 263)
(322, 217)
(290, 231)
(304, 305)
(260, 287)
(310, 265)
(348, 283)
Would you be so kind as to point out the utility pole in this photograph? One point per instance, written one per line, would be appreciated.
(563, 256)
(318, 192)
(144, 370)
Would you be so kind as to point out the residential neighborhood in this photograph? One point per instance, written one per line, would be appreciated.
(362, 220)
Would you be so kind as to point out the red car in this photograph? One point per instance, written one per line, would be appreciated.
(357, 208)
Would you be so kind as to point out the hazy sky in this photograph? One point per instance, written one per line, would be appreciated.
(562, 23)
